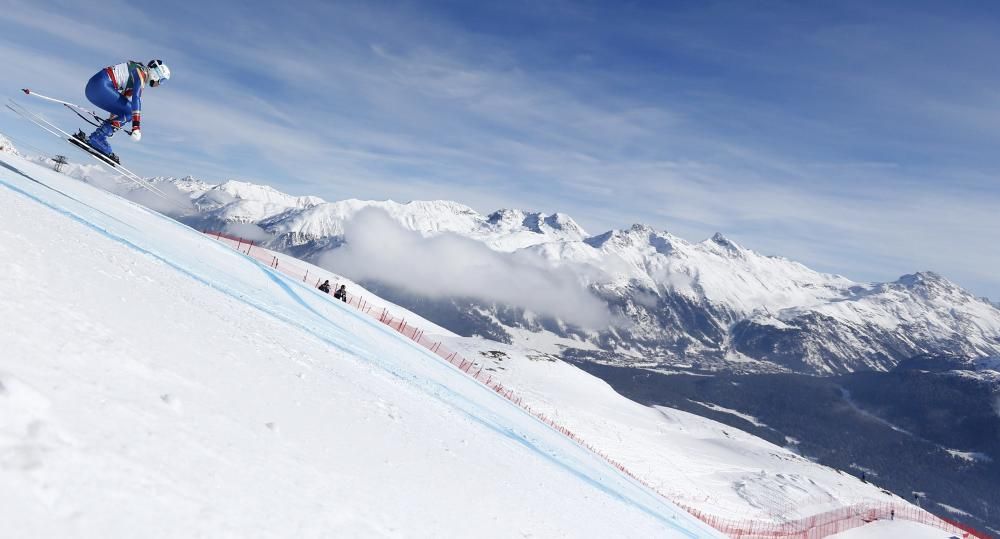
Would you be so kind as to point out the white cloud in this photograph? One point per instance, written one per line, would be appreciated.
(247, 231)
(448, 265)
(384, 104)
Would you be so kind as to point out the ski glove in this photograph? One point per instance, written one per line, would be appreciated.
(136, 135)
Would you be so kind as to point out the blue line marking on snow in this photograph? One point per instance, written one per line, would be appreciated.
(16, 170)
(432, 388)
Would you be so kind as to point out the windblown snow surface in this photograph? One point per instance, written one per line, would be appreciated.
(156, 382)
(153, 380)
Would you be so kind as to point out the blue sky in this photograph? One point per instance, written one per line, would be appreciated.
(858, 138)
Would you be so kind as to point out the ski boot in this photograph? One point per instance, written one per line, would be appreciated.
(98, 140)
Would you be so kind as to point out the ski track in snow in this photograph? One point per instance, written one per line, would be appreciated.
(569, 457)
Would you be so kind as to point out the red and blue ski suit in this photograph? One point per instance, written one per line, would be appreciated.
(118, 90)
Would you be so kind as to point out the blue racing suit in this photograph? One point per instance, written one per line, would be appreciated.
(118, 90)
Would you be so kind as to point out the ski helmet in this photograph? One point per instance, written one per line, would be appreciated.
(158, 72)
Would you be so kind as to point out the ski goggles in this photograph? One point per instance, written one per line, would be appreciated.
(158, 72)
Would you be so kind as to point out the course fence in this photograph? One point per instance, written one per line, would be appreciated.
(832, 522)
(812, 527)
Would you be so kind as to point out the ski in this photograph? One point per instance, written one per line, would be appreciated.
(80, 142)
(79, 139)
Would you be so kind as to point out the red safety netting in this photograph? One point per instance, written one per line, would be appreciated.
(812, 527)
(832, 522)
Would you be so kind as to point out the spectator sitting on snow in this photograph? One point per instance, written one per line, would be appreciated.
(325, 286)
(341, 293)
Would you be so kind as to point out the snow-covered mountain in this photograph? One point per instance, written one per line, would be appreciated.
(242, 202)
(296, 220)
(174, 385)
(712, 304)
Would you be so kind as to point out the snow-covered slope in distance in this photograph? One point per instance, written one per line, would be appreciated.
(695, 461)
(152, 379)
(886, 529)
(713, 304)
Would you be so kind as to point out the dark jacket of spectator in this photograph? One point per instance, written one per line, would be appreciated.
(341, 293)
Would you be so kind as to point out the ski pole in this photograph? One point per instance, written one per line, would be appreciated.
(72, 106)
(54, 100)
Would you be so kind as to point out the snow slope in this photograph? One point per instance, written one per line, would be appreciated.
(885, 529)
(701, 463)
(153, 379)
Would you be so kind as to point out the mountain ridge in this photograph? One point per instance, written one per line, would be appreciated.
(713, 304)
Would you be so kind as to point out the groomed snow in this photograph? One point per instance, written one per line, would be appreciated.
(154, 382)
(704, 464)
(894, 529)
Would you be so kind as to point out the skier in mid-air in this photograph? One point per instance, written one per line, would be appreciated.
(118, 90)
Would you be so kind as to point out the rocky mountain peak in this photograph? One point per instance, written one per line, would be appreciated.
(637, 234)
(928, 284)
(505, 216)
(265, 194)
(727, 245)
(559, 223)
(641, 229)
(719, 239)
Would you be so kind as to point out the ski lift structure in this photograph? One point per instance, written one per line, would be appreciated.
(59, 162)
